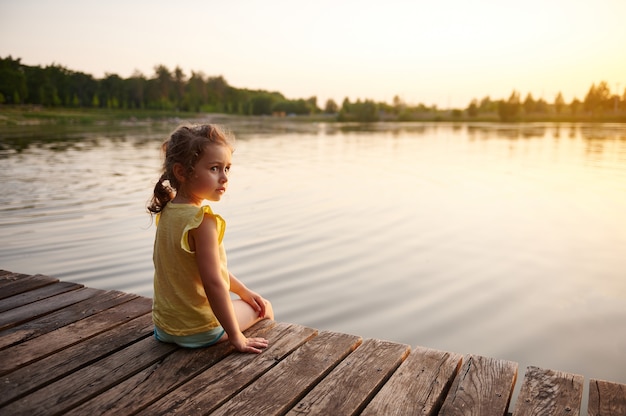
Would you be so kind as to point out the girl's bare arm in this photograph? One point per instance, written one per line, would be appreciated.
(204, 240)
(252, 298)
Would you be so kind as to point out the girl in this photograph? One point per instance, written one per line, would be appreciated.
(192, 304)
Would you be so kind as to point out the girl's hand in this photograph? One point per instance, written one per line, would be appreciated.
(249, 345)
(256, 301)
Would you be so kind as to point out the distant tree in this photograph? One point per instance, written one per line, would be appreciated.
(575, 106)
(364, 111)
(529, 104)
(179, 86)
(163, 83)
(83, 87)
(509, 110)
(345, 105)
(312, 105)
(135, 87)
(344, 111)
(487, 105)
(399, 106)
(472, 109)
(331, 106)
(559, 103)
(541, 106)
(299, 107)
(13, 84)
(598, 98)
(217, 90)
(112, 91)
(196, 92)
(262, 103)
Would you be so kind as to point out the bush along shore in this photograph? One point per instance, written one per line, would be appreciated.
(39, 115)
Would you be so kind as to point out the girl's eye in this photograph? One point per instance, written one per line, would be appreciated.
(227, 169)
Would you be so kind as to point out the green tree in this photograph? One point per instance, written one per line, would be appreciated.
(262, 103)
(13, 86)
(364, 111)
(162, 88)
(112, 91)
(196, 94)
(217, 92)
(134, 88)
(331, 106)
(178, 87)
(487, 105)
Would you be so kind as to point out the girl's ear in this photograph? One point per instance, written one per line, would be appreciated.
(179, 172)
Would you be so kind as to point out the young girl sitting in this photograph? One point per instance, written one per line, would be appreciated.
(192, 304)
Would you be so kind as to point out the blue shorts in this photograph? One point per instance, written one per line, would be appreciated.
(200, 340)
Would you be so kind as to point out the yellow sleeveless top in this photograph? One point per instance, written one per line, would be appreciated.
(180, 306)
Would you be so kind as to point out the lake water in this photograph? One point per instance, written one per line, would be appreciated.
(507, 241)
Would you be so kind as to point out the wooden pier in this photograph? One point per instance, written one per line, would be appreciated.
(66, 349)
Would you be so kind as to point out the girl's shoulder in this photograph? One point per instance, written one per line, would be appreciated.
(199, 217)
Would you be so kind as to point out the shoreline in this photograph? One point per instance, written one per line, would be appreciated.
(37, 115)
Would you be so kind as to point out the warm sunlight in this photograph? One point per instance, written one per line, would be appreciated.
(443, 53)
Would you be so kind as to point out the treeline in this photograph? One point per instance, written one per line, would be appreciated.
(57, 86)
(598, 104)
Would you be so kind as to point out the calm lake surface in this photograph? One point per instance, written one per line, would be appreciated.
(507, 241)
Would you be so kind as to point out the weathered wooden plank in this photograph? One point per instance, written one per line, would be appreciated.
(37, 294)
(35, 310)
(350, 386)
(147, 386)
(228, 377)
(7, 277)
(26, 379)
(80, 386)
(280, 388)
(419, 386)
(37, 348)
(4, 273)
(12, 287)
(549, 392)
(483, 387)
(606, 398)
(60, 318)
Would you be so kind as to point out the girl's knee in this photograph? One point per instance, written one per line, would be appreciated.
(269, 310)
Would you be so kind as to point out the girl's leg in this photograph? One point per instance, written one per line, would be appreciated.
(246, 316)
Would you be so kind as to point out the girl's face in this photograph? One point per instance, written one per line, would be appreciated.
(210, 177)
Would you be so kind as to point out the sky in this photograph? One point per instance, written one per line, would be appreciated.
(443, 52)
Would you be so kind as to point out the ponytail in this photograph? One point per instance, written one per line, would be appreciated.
(163, 193)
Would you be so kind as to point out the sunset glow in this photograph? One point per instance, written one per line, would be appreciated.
(444, 53)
